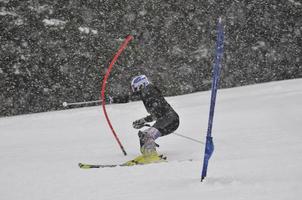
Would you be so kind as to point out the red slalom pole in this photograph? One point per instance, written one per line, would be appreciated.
(121, 49)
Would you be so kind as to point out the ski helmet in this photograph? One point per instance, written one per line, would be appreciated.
(139, 82)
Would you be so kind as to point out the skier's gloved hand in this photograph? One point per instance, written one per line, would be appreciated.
(139, 123)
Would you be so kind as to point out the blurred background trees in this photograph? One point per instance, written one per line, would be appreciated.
(54, 51)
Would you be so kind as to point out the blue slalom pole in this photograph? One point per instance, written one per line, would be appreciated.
(209, 148)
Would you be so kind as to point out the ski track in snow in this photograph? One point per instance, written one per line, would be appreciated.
(257, 137)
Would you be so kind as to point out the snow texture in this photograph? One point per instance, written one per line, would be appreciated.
(257, 136)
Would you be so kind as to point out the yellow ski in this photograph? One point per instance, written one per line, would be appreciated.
(140, 160)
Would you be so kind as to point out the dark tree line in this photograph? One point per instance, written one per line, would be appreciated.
(54, 51)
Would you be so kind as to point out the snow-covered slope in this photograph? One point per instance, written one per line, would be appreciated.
(257, 136)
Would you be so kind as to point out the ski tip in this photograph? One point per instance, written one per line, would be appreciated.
(84, 166)
(81, 165)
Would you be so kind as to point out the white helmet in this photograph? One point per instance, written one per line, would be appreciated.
(139, 82)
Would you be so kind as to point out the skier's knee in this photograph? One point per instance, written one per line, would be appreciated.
(151, 133)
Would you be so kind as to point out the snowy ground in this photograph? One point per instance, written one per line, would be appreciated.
(258, 148)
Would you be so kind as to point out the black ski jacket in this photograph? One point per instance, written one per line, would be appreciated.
(155, 103)
(167, 120)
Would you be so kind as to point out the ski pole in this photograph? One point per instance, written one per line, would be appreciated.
(65, 104)
(189, 138)
(180, 135)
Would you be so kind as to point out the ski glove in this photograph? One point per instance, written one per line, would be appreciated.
(139, 123)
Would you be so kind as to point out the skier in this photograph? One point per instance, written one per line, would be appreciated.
(160, 111)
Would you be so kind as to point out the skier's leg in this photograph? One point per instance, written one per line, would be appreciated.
(162, 126)
(147, 140)
(167, 124)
